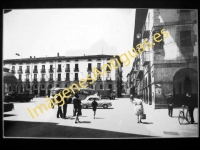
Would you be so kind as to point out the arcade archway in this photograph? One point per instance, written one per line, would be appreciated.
(185, 80)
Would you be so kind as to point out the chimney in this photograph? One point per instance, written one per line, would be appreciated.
(30, 56)
(57, 54)
(34, 56)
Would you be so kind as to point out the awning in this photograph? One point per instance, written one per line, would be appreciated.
(9, 78)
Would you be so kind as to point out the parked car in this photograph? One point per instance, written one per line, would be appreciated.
(22, 97)
(8, 106)
(101, 103)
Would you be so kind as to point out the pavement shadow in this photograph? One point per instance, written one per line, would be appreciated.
(41, 129)
(147, 122)
(8, 115)
(84, 122)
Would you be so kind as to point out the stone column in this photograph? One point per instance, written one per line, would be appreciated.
(38, 89)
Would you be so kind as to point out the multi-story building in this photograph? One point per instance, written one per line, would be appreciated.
(39, 75)
(167, 61)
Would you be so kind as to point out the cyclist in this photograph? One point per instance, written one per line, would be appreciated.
(189, 102)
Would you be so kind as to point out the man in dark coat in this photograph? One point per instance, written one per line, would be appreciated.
(77, 107)
(94, 106)
(190, 103)
(170, 105)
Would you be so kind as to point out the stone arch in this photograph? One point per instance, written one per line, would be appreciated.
(171, 78)
(184, 80)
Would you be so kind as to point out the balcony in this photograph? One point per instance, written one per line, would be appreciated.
(76, 69)
(19, 71)
(43, 71)
(67, 79)
(89, 69)
(145, 58)
(139, 73)
(99, 68)
(76, 79)
(51, 79)
(35, 80)
(50, 70)
(27, 80)
(42, 80)
(67, 69)
(27, 71)
(35, 71)
(99, 79)
(13, 71)
(59, 70)
(58, 79)
(108, 78)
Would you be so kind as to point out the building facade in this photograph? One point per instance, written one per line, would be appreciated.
(39, 75)
(167, 58)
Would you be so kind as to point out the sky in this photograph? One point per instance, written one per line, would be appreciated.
(69, 32)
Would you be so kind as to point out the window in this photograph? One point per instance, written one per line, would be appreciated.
(35, 67)
(20, 67)
(13, 67)
(51, 76)
(184, 15)
(108, 68)
(98, 65)
(76, 60)
(89, 59)
(42, 86)
(43, 67)
(67, 76)
(43, 75)
(110, 86)
(101, 86)
(35, 86)
(76, 66)
(68, 66)
(28, 86)
(27, 76)
(185, 38)
(89, 66)
(76, 76)
(59, 67)
(108, 74)
(51, 67)
(96, 99)
(59, 77)
(57, 85)
(35, 76)
(90, 99)
(20, 77)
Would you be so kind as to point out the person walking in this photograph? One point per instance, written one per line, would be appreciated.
(94, 106)
(170, 105)
(77, 106)
(139, 109)
(65, 108)
(59, 111)
(190, 103)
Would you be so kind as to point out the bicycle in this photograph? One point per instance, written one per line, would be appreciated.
(182, 116)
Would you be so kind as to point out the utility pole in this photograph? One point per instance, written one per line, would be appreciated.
(103, 63)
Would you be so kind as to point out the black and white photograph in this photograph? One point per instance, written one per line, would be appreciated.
(100, 73)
